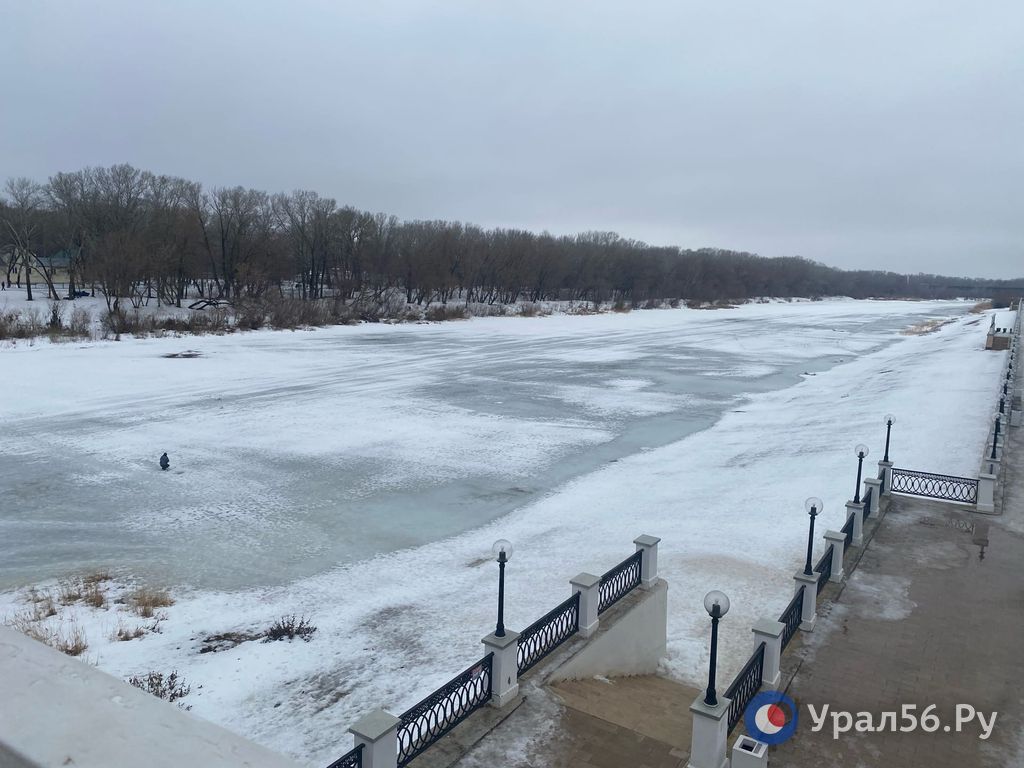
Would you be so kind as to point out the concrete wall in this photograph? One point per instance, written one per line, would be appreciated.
(59, 711)
(629, 641)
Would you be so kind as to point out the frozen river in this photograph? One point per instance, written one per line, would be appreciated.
(294, 452)
(357, 476)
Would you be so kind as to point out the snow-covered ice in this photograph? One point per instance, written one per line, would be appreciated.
(359, 475)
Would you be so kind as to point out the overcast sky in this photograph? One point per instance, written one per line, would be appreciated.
(867, 134)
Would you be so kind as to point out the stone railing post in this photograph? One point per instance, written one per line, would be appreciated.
(504, 667)
(648, 560)
(838, 541)
(708, 741)
(885, 473)
(589, 587)
(378, 733)
(874, 485)
(809, 584)
(986, 493)
(857, 510)
(770, 633)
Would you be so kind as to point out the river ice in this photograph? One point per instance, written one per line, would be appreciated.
(358, 475)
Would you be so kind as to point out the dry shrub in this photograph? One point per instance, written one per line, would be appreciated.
(532, 309)
(70, 590)
(442, 312)
(93, 595)
(70, 640)
(73, 643)
(81, 322)
(145, 600)
(24, 324)
(124, 633)
(288, 628)
(167, 687)
(620, 306)
(981, 306)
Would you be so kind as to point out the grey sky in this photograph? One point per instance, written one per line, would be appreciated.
(869, 134)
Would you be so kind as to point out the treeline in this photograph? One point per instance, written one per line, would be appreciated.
(138, 236)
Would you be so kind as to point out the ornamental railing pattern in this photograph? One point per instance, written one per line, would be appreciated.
(438, 713)
(947, 487)
(351, 759)
(824, 567)
(791, 617)
(848, 530)
(620, 581)
(746, 685)
(548, 632)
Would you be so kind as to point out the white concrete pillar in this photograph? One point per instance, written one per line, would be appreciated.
(838, 541)
(885, 472)
(378, 733)
(991, 466)
(589, 587)
(649, 560)
(857, 510)
(986, 493)
(874, 485)
(809, 584)
(504, 667)
(770, 633)
(710, 735)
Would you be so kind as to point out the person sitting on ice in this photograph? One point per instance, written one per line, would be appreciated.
(164, 461)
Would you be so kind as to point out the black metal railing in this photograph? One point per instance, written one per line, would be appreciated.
(881, 476)
(947, 487)
(548, 632)
(792, 616)
(745, 686)
(848, 530)
(351, 759)
(620, 581)
(449, 705)
(868, 497)
(824, 567)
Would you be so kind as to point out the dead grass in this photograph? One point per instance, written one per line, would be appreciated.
(73, 642)
(145, 600)
(93, 595)
(69, 639)
(70, 590)
(124, 633)
(981, 306)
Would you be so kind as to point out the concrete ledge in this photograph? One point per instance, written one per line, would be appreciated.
(58, 711)
(630, 642)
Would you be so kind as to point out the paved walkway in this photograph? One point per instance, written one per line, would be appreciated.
(932, 615)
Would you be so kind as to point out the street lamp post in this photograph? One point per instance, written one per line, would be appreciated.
(813, 505)
(889, 419)
(861, 451)
(502, 549)
(717, 605)
(995, 436)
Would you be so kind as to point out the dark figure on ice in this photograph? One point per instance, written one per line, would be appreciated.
(164, 461)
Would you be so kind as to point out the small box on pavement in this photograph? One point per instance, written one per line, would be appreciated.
(749, 753)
